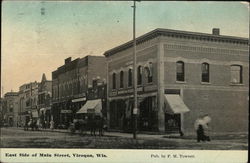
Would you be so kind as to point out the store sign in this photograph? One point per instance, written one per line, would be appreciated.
(150, 88)
(113, 93)
(79, 99)
(66, 111)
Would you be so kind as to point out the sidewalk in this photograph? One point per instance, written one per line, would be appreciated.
(187, 136)
(116, 134)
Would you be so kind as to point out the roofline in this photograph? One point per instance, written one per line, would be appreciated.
(165, 32)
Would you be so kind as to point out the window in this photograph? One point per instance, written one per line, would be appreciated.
(205, 72)
(236, 74)
(114, 81)
(121, 79)
(148, 72)
(139, 75)
(130, 77)
(180, 75)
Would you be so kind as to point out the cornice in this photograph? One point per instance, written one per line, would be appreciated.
(179, 35)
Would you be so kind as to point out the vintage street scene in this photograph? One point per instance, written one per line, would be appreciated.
(125, 75)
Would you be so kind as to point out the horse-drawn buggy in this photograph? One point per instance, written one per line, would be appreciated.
(89, 118)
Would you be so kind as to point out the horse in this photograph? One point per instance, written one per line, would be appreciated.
(96, 123)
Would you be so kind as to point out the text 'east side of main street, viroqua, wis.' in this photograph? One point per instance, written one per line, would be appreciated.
(66, 155)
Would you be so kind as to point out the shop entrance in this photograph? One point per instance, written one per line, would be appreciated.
(148, 114)
(172, 123)
(117, 114)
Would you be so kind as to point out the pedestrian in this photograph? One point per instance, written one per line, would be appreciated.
(201, 127)
(52, 125)
(206, 121)
(99, 125)
(105, 125)
(92, 125)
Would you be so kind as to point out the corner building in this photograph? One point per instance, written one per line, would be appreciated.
(181, 76)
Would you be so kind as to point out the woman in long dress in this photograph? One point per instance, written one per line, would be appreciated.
(201, 127)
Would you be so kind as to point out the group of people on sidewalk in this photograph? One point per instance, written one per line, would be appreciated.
(36, 124)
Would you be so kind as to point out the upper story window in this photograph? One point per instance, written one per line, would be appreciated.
(180, 74)
(149, 72)
(139, 75)
(236, 74)
(114, 81)
(130, 77)
(205, 72)
(121, 79)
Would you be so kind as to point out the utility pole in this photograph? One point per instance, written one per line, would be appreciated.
(135, 110)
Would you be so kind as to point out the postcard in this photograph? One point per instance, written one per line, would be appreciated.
(124, 81)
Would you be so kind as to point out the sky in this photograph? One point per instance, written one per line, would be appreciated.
(37, 36)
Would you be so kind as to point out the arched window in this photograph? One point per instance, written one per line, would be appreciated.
(130, 77)
(114, 81)
(121, 79)
(139, 75)
(205, 72)
(149, 72)
(180, 74)
(236, 74)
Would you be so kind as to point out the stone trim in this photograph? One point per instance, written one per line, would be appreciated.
(207, 87)
(206, 49)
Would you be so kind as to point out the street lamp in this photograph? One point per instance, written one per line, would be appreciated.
(135, 110)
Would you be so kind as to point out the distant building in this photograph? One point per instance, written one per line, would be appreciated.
(10, 109)
(44, 99)
(181, 76)
(70, 84)
(28, 100)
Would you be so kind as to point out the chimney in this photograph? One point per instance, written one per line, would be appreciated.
(216, 31)
(67, 60)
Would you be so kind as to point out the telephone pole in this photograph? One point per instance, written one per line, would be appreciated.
(135, 110)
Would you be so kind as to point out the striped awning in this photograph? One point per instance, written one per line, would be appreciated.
(91, 106)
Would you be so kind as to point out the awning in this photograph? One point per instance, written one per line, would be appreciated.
(79, 99)
(45, 109)
(42, 109)
(34, 114)
(176, 104)
(91, 106)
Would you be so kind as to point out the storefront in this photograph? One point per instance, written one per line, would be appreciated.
(174, 113)
(121, 111)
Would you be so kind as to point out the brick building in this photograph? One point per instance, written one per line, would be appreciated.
(70, 84)
(180, 75)
(44, 99)
(10, 109)
(28, 100)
